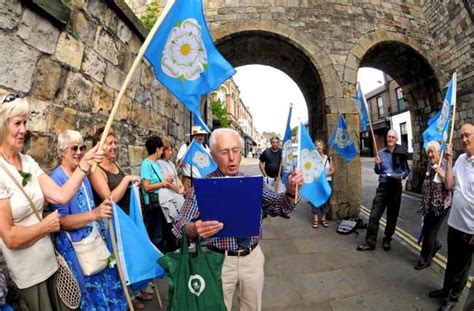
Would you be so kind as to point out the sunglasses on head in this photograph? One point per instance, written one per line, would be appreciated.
(75, 148)
(10, 98)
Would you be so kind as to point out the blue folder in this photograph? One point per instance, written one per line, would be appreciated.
(234, 201)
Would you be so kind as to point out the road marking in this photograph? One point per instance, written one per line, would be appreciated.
(439, 259)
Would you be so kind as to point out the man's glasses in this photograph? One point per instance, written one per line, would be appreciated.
(10, 98)
(75, 148)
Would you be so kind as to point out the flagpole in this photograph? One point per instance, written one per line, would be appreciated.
(453, 93)
(119, 266)
(136, 62)
(368, 117)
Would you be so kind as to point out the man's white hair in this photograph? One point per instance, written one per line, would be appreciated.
(220, 131)
(394, 132)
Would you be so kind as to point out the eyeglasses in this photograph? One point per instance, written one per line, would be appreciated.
(75, 148)
(10, 98)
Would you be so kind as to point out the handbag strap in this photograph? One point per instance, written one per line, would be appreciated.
(158, 176)
(185, 246)
(22, 190)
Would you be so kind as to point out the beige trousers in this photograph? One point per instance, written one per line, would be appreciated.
(246, 275)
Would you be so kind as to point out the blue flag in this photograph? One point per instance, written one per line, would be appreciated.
(184, 57)
(316, 188)
(287, 154)
(438, 126)
(342, 142)
(199, 158)
(138, 256)
(361, 105)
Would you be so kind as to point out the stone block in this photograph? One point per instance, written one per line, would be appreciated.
(48, 79)
(77, 91)
(102, 99)
(40, 150)
(18, 63)
(136, 154)
(100, 10)
(123, 111)
(38, 32)
(9, 14)
(82, 28)
(114, 77)
(60, 119)
(141, 115)
(69, 51)
(125, 58)
(123, 32)
(37, 119)
(93, 65)
(106, 46)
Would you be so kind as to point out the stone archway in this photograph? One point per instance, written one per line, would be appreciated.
(299, 57)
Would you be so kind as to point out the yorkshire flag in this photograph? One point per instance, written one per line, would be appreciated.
(438, 126)
(184, 57)
(316, 188)
(361, 105)
(342, 142)
(288, 164)
(199, 158)
(138, 256)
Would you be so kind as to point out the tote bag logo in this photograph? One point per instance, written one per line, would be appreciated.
(196, 284)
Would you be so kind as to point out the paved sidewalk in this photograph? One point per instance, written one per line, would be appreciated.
(318, 269)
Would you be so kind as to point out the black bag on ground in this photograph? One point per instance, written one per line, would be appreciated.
(351, 225)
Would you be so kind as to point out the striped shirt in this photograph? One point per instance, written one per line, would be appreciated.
(273, 204)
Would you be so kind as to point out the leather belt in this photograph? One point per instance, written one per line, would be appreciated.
(238, 252)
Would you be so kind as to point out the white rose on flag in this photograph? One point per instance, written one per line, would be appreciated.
(201, 159)
(184, 55)
(311, 165)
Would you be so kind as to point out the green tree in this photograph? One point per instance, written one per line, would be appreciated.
(218, 109)
(151, 15)
(294, 131)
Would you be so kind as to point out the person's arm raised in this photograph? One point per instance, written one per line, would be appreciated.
(63, 194)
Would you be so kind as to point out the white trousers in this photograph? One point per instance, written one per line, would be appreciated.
(246, 275)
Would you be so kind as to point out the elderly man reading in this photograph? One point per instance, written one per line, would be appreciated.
(243, 264)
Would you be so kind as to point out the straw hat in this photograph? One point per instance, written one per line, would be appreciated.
(196, 130)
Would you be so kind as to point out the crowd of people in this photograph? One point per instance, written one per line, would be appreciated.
(81, 203)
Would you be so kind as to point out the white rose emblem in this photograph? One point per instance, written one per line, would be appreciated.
(343, 139)
(311, 165)
(441, 122)
(196, 284)
(288, 157)
(201, 159)
(184, 55)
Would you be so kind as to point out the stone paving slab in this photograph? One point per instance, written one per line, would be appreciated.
(308, 269)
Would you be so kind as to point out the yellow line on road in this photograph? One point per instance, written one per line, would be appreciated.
(439, 259)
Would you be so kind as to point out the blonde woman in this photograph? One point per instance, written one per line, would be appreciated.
(330, 169)
(25, 242)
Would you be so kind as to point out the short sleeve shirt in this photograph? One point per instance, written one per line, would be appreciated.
(152, 172)
(462, 210)
(36, 263)
(272, 161)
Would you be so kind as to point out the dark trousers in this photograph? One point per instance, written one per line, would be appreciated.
(459, 263)
(431, 244)
(388, 194)
(159, 231)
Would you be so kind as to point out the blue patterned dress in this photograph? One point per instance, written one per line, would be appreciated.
(101, 291)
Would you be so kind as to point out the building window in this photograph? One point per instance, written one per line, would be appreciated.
(400, 100)
(403, 128)
(380, 107)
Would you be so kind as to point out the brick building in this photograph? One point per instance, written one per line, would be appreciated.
(388, 110)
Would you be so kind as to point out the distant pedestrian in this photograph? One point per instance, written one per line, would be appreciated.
(435, 204)
(330, 169)
(392, 167)
(199, 135)
(270, 164)
(460, 221)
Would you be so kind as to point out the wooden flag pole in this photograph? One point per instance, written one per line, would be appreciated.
(279, 174)
(119, 266)
(136, 62)
(453, 117)
(368, 117)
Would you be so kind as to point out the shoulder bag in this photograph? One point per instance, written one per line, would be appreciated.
(91, 251)
(154, 203)
(66, 283)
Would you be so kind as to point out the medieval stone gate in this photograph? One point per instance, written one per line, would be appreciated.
(75, 64)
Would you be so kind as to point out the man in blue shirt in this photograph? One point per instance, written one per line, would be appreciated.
(392, 167)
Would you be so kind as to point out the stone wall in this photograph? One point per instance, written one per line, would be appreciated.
(72, 73)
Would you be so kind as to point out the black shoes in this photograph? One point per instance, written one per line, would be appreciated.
(421, 266)
(440, 293)
(447, 306)
(386, 245)
(365, 247)
(286, 216)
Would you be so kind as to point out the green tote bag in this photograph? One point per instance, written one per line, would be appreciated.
(194, 279)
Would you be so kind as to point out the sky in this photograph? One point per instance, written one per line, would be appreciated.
(268, 93)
